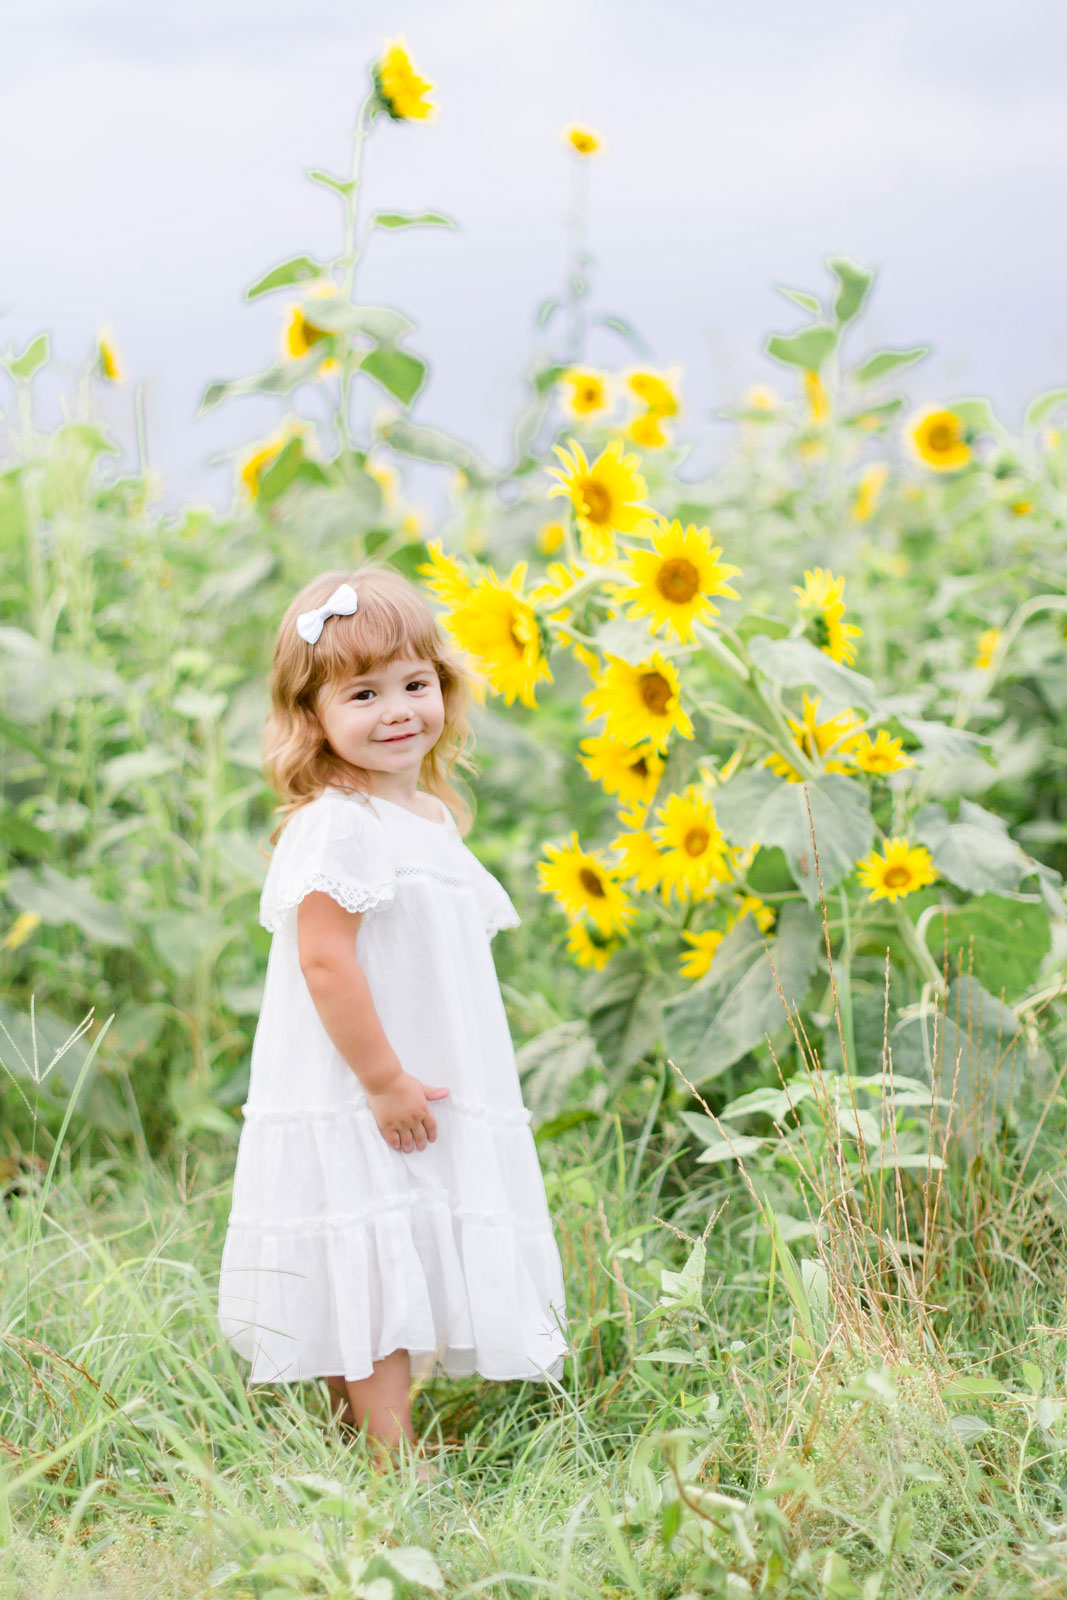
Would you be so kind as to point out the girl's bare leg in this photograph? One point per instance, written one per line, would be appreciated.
(383, 1403)
(340, 1407)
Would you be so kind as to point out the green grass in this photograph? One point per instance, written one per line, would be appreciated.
(794, 1441)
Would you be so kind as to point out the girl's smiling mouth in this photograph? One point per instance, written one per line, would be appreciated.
(397, 738)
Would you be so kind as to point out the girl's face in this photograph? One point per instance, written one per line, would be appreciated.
(388, 719)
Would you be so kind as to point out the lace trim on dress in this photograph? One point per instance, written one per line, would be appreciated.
(353, 897)
(466, 1108)
(413, 1200)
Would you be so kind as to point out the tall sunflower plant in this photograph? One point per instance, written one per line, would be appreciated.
(767, 831)
(328, 338)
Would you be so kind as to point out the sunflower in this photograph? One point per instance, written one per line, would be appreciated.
(591, 949)
(550, 538)
(672, 583)
(500, 629)
(882, 754)
(823, 596)
(632, 772)
(642, 860)
(582, 140)
(692, 844)
(647, 430)
(937, 438)
(640, 704)
(751, 905)
(301, 333)
(559, 577)
(585, 886)
(987, 644)
(590, 392)
(816, 396)
(401, 92)
(901, 870)
(657, 391)
(257, 461)
(446, 579)
(869, 491)
(607, 497)
(108, 360)
(695, 962)
(815, 737)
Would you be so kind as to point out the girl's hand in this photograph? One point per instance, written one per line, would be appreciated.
(404, 1119)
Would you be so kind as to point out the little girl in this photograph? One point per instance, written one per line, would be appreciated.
(389, 1213)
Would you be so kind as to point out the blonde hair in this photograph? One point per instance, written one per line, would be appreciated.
(393, 619)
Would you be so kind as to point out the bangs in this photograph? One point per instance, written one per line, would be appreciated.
(384, 628)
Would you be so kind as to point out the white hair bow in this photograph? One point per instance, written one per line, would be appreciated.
(341, 603)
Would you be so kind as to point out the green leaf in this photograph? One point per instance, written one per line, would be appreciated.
(549, 1063)
(58, 899)
(400, 373)
(624, 329)
(1011, 939)
(282, 379)
(808, 349)
(35, 355)
(975, 1030)
(776, 1103)
(687, 1285)
(736, 1148)
(751, 812)
(801, 298)
(430, 444)
(965, 1387)
(796, 663)
(1042, 407)
(384, 324)
(854, 284)
(976, 414)
(943, 742)
(411, 219)
(730, 1010)
(328, 181)
(885, 361)
(976, 852)
(298, 269)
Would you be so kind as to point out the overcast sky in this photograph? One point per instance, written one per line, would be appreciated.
(155, 157)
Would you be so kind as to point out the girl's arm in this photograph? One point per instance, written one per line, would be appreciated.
(326, 936)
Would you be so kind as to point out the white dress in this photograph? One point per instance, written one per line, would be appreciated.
(340, 1249)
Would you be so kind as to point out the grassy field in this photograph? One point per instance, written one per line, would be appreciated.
(771, 765)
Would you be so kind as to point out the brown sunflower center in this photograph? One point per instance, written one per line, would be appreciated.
(591, 883)
(589, 394)
(896, 877)
(640, 767)
(696, 841)
(310, 334)
(655, 691)
(942, 436)
(678, 580)
(598, 505)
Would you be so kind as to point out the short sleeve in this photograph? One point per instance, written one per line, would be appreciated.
(333, 844)
(493, 901)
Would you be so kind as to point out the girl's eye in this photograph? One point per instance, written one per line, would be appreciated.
(416, 683)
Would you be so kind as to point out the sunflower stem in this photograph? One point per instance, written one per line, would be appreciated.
(353, 250)
(919, 951)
